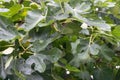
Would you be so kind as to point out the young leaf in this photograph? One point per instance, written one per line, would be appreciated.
(116, 32)
(12, 11)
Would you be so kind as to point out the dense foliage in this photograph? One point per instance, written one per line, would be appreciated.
(59, 40)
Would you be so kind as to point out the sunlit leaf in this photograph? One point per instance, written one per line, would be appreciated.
(12, 11)
(8, 51)
(116, 32)
(32, 19)
(72, 68)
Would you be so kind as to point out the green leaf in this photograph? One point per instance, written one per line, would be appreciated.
(81, 52)
(82, 8)
(38, 60)
(94, 49)
(59, 1)
(116, 32)
(12, 11)
(79, 58)
(54, 54)
(61, 16)
(34, 76)
(23, 67)
(100, 24)
(85, 32)
(4, 45)
(43, 33)
(40, 45)
(32, 19)
(7, 29)
(19, 65)
(71, 28)
(2, 69)
(106, 52)
(68, 8)
(103, 74)
(74, 46)
(45, 24)
(59, 39)
(117, 77)
(56, 77)
(84, 75)
(72, 68)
